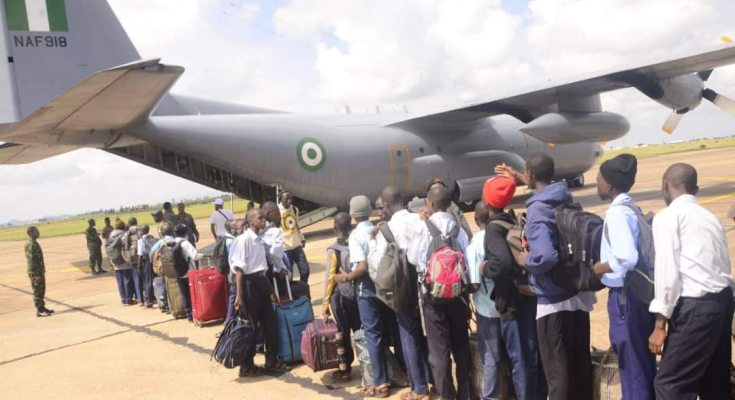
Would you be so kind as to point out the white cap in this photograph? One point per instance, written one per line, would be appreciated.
(219, 202)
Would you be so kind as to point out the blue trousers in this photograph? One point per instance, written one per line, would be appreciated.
(231, 304)
(370, 312)
(298, 257)
(488, 343)
(630, 327)
(159, 289)
(521, 342)
(185, 296)
(137, 283)
(124, 279)
(148, 283)
(415, 353)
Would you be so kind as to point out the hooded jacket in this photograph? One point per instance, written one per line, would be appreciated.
(541, 232)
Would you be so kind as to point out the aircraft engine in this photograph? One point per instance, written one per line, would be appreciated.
(572, 127)
(682, 94)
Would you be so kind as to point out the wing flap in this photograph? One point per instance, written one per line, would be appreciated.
(15, 154)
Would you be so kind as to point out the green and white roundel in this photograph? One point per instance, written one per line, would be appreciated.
(311, 154)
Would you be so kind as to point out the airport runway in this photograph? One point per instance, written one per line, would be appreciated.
(94, 348)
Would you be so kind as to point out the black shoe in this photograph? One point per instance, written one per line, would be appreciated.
(102, 271)
(43, 313)
(94, 272)
(48, 311)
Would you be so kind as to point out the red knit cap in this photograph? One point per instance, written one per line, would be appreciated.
(498, 192)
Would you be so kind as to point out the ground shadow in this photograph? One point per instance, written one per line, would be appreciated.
(179, 341)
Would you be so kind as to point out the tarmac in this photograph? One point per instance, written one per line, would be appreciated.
(94, 348)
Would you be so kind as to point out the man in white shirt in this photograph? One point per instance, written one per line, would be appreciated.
(693, 295)
(191, 256)
(402, 225)
(218, 218)
(446, 323)
(255, 293)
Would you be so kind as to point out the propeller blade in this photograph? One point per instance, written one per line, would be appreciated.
(726, 39)
(704, 75)
(672, 122)
(726, 104)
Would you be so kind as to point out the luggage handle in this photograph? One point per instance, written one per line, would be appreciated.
(288, 287)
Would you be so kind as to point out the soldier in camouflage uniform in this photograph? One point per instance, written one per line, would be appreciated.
(37, 271)
(107, 229)
(94, 245)
(192, 234)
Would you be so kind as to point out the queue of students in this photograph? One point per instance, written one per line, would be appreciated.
(520, 309)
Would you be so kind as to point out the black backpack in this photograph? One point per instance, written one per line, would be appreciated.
(347, 290)
(639, 280)
(221, 255)
(234, 343)
(579, 236)
(396, 281)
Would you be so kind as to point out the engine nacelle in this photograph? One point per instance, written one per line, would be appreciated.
(682, 92)
(572, 127)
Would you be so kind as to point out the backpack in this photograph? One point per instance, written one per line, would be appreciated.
(640, 279)
(346, 289)
(173, 263)
(446, 271)
(234, 343)
(396, 281)
(130, 244)
(516, 239)
(579, 236)
(221, 255)
(114, 248)
(148, 244)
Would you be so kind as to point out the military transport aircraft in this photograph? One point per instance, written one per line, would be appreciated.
(78, 82)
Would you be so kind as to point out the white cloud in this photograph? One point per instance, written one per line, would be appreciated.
(314, 55)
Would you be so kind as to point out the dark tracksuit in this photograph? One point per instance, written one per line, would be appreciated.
(517, 313)
(564, 336)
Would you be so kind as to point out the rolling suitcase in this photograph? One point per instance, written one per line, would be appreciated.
(292, 318)
(321, 344)
(298, 289)
(507, 391)
(175, 303)
(209, 295)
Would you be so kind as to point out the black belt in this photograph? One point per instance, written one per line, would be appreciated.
(724, 293)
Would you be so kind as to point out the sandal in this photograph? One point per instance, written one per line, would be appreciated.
(415, 396)
(341, 376)
(380, 392)
(251, 372)
(277, 367)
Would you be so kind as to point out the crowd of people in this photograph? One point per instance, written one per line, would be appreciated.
(520, 308)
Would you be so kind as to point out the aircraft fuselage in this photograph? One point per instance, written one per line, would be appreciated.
(329, 159)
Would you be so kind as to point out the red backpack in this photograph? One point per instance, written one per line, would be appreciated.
(446, 271)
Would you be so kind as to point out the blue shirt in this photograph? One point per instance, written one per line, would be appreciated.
(475, 255)
(158, 245)
(359, 243)
(621, 252)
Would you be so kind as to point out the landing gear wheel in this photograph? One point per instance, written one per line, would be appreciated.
(577, 182)
(467, 206)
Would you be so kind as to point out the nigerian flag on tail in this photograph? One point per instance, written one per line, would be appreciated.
(36, 15)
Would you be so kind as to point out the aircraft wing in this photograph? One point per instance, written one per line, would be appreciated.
(14, 154)
(527, 104)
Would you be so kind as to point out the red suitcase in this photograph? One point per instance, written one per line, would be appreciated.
(209, 295)
(320, 345)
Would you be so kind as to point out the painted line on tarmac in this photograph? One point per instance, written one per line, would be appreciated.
(716, 199)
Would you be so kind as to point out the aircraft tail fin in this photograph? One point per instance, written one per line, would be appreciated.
(55, 44)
